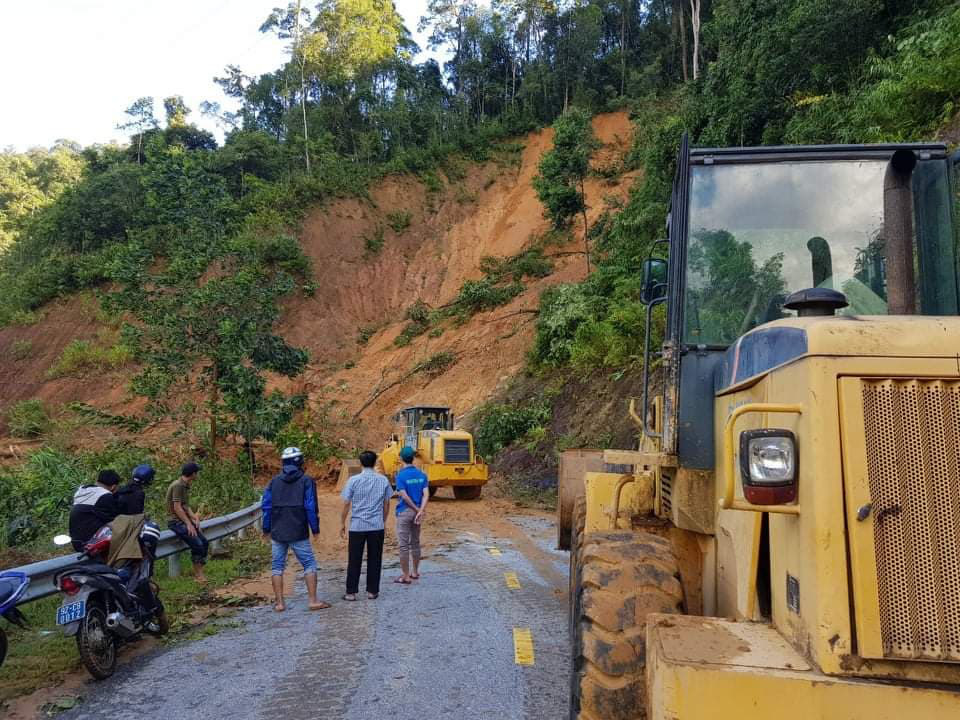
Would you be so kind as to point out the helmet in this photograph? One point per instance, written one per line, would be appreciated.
(143, 474)
(291, 454)
(407, 454)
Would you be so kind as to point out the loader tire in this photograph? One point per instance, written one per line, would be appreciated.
(621, 578)
(467, 492)
(578, 521)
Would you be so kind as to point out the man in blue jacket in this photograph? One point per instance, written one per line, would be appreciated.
(289, 514)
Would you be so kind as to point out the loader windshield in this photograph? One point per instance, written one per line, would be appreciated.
(759, 232)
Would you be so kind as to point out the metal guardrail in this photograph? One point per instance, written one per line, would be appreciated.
(41, 573)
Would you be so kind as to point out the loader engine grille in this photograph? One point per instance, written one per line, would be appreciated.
(456, 451)
(913, 466)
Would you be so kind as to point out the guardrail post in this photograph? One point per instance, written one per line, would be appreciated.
(242, 534)
(173, 565)
(216, 547)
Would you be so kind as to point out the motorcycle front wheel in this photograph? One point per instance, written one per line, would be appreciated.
(97, 645)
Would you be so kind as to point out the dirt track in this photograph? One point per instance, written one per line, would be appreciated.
(440, 648)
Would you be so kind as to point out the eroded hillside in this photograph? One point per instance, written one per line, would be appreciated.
(373, 258)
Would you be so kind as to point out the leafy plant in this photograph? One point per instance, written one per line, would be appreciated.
(28, 418)
(399, 220)
(499, 426)
(82, 356)
(374, 242)
(21, 349)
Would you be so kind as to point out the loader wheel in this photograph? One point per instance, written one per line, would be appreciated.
(622, 578)
(432, 489)
(467, 492)
(578, 521)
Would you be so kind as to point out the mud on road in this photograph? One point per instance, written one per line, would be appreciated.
(441, 648)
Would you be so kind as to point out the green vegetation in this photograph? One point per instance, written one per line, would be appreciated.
(28, 418)
(499, 426)
(36, 501)
(562, 170)
(21, 349)
(399, 220)
(373, 243)
(82, 356)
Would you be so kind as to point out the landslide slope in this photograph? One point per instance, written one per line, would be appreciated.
(487, 209)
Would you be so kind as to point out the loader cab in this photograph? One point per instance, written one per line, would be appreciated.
(748, 227)
(414, 420)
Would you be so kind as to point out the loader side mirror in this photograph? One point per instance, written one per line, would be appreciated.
(654, 281)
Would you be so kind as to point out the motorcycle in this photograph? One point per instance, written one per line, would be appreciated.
(106, 606)
(12, 586)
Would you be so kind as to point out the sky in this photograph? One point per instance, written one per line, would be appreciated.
(69, 68)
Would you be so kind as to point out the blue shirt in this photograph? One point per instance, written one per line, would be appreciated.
(367, 492)
(412, 480)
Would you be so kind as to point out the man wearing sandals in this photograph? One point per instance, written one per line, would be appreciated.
(412, 488)
(366, 503)
(289, 508)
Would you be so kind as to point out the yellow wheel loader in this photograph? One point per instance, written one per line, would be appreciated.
(785, 543)
(446, 455)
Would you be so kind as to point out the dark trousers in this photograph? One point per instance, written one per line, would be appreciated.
(373, 540)
(198, 544)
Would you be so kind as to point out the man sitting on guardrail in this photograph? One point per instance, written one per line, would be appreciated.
(184, 523)
(289, 508)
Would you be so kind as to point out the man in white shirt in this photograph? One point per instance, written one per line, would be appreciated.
(366, 503)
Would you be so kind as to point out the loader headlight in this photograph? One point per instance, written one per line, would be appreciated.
(768, 466)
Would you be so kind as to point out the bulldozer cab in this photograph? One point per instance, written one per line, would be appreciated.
(748, 227)
(413, 420)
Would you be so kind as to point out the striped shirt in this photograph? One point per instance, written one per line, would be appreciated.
(366, 493)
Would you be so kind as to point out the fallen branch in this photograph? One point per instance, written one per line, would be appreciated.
(522, 311)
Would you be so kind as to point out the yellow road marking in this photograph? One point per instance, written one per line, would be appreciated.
(494, 551)
(523, 646)
(512, 581)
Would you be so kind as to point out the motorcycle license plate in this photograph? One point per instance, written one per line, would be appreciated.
(71, 612)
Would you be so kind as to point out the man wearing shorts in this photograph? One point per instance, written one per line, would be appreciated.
(289, 515)
(412, 489)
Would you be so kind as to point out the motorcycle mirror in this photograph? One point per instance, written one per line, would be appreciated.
(61, 540)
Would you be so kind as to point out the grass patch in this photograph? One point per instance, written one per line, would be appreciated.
(83, 356)
(400, 220)
(28, 418)
(21, 349)
(373, 243)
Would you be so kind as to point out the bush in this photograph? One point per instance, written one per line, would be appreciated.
(302, 433)
(81, 356)
(28, 418)
(478, 295)
(21, 349)
(499, 426)
(374, 242)
(399, 220)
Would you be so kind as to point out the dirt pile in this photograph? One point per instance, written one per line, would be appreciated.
(373, 258)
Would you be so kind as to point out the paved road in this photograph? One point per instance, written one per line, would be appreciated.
(442, 648)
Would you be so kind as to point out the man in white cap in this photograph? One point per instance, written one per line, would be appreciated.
(289, 515)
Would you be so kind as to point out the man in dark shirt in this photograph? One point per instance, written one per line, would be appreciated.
(93, 507)
(289, 508)
(184, 522)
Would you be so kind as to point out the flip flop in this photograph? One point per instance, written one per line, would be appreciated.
(350, 598)
(318, 606)
(372, 596)
(401, 581)
(415, 577)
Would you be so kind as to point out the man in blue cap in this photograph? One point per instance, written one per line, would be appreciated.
(412, 487)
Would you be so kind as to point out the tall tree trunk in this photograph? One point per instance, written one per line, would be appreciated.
(695, 24)
(623, 47)
(303, 86)
(683, 40)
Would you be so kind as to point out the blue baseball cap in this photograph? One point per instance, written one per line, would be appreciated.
(407, 454)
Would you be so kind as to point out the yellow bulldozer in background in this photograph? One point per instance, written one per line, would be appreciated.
(786, 541)
(445, 454)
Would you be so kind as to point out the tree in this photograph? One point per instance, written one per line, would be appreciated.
(287, 24)
(695, 26)
(176, 111)
(562, 171)
(141, 120)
